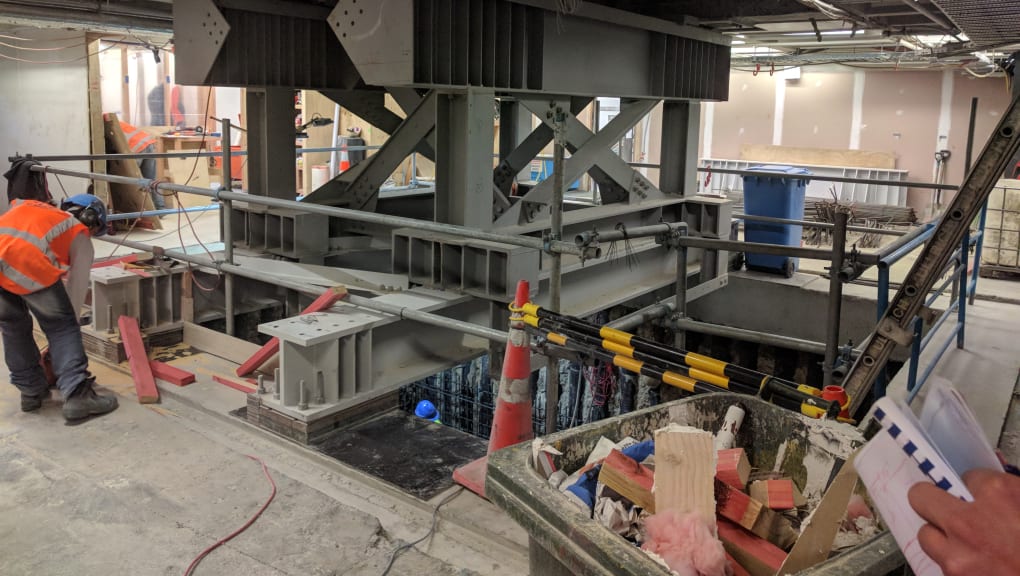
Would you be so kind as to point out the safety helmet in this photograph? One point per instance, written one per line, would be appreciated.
(89, 210)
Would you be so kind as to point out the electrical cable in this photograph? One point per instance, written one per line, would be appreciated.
(405, 547)
(100, 51)
(62, 189)
(194, 563)
(20, 39)
(42, 49)
(180, 209)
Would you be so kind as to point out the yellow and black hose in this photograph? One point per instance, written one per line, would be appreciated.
(767, 386)
(681, 376)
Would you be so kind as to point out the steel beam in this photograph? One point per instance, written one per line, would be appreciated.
(265, 43)
(358, 188)
(499, 44)
(681, 125)
(271, 170)
(464, 140)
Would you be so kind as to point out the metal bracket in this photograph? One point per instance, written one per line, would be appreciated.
(198, 50)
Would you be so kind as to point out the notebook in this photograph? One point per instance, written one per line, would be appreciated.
(940, 447)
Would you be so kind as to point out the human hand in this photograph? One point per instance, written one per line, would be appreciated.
(978, 537)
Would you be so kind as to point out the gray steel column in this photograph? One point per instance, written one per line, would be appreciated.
(271, 167)
(835, 296)
(464, 135)
(681, 125)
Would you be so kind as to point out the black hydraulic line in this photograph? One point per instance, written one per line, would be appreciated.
(615, 348)
(704, 363)
(767, 387)
(665, 372)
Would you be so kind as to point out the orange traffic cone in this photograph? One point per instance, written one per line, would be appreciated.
(345, 159)
(511, 423)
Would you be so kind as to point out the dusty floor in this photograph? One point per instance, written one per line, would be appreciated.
(143, 490)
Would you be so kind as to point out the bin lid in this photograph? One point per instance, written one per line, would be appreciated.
(791, 170)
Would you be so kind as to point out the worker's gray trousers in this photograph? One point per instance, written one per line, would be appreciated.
(53, 310)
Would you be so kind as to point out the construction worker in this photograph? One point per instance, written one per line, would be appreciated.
(141, 142)
(39, 243)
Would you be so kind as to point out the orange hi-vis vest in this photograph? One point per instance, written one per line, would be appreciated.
(35, 245)
(137, 138)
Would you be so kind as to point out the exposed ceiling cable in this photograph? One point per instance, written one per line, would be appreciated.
(53, 49)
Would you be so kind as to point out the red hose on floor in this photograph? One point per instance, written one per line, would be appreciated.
(221, 542)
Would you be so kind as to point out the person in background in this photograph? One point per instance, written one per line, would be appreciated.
(971, 537)
(39, 244)
(141, 142)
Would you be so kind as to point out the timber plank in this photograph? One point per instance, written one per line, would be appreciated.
(145, 383)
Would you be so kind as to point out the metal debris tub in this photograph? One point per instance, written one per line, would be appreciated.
(564, 540)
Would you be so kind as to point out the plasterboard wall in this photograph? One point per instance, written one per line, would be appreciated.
(898, 111)
(45, 105)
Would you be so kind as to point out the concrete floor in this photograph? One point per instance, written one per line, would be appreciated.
(143, 490)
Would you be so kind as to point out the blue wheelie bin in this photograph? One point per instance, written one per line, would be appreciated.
(779, 196)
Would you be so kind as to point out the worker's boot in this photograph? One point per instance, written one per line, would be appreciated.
(84, 402)
(31, 403)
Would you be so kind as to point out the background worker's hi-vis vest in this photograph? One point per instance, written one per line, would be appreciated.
(35, 245)
(137, 139)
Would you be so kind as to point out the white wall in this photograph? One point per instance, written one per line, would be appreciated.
(44, 107)
(228, 105)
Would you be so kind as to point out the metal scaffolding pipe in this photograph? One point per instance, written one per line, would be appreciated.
(368, 303)
(587, 238)
(161, 212)
(552, 372)
(835, 297)
(771, 249)
(902, 246)
(752, 336)
(356, 215)
(821, 225)
(667, 306)
(822, 178)
(164, 155)
(643, 316)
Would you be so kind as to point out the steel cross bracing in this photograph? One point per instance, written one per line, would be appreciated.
(588, 151)
(895, 327)
(358, 187)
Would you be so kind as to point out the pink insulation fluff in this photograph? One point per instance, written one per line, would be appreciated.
(687, 543)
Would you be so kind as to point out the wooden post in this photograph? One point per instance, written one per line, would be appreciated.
(96, 135)
(125, 95)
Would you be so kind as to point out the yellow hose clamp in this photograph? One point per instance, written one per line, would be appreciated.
(812, 411)
(809, 390)
(517, 314)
